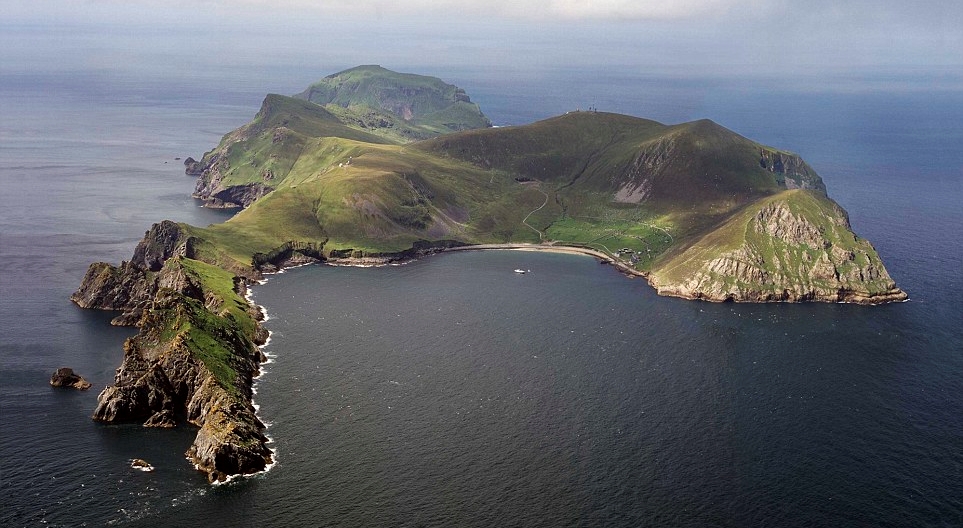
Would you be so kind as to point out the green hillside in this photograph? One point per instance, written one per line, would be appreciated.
(648, 194)
(401, 105)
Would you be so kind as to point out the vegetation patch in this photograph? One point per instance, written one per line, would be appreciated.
(636, 243)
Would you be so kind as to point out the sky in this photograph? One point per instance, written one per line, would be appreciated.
(775, 38)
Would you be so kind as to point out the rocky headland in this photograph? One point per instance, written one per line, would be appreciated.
(792, 249)
(194, 357)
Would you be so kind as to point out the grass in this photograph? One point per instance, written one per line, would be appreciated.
(341, 183)
(643, 240)
(689, 191)
(374, 197)
(401, 106)
(787, 261)
(217, 327)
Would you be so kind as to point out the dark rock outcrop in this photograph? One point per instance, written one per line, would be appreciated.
(209, 187)
(192, 167)
(239, 195)
(127, 288)
(65, 377)
(162, 419)
(193, 356)
(141, 465)
(161, 378)
(163, 241)
(289, 254)
(131, 287)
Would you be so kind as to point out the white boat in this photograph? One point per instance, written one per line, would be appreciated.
(521, 271)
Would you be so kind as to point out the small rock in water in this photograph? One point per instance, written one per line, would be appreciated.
(141, 464)
(65, 377)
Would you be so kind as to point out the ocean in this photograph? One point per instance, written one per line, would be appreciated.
(453, 392)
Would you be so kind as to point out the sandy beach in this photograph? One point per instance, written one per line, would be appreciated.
(602, 257)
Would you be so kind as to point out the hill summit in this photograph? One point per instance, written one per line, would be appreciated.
(414, 106)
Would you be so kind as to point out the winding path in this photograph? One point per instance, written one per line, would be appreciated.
(541, 235)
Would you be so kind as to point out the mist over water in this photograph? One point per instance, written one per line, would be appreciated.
(451, 391)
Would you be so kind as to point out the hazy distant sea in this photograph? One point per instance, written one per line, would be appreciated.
(453, 392)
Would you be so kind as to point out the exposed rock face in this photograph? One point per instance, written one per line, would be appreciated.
(161, 379)
(127, 288)
(635, 182)
(141, 465)
(289, 254)
(210, 173)
(186, 330)
(192, 167)
(787, 256)
(65, 377)
(131, 287)
(162, 419)
(790, 170)
(163, 241)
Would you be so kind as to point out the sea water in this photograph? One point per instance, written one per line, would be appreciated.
(452, 391)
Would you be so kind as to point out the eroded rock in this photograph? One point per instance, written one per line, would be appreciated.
(65, 377)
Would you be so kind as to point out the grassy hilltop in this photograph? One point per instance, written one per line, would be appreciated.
(667, 200)
(312, 171)
(400, 105)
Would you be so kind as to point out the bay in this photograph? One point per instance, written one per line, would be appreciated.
(452, 391)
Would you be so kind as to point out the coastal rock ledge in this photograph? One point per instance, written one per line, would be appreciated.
(194, 357)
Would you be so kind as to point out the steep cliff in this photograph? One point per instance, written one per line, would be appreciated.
(130, 287)
(795, 246)
(194, 356)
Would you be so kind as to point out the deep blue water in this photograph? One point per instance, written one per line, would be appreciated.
(451, 391)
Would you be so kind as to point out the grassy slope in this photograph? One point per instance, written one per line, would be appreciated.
(344, 188)
(265, 150)
(383, 200)
(402, 106)
(215, 329)
(785, 260)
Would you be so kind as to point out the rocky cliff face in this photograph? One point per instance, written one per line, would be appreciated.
(194, 357)
(161, 378)
(790, 170)
(163, 241)
(130, 287)
(211, 188)
(790, 251)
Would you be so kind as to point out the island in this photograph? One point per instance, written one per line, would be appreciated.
(370, 166)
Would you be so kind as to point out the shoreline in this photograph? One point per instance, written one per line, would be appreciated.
(760, 297)
(390, 260)
(266, 359)
(602, 257)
